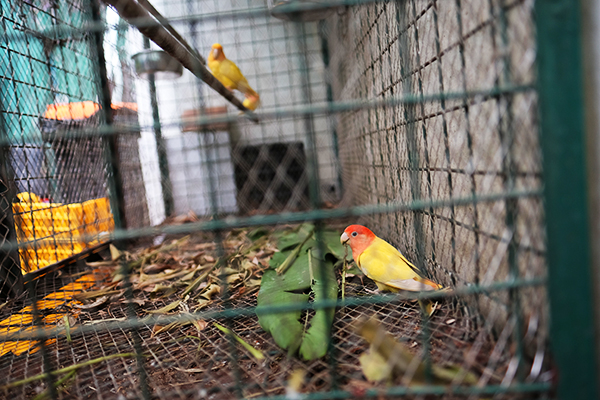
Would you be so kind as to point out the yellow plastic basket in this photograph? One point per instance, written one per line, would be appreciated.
(54, 231)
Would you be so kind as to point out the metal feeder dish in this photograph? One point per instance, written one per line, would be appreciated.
(157, 62)
(295, 10)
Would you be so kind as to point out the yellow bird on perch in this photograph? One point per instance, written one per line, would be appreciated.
(230, 76)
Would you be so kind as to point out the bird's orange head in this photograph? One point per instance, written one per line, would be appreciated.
(358, 237)
(216, 53)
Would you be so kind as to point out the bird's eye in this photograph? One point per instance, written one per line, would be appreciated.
(354, 233)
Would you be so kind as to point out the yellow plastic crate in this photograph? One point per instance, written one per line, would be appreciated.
(58, 231)
(97, 216)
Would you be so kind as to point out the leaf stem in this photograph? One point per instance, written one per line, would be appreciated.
(255, 352)
(46, 394)
(344, 268)
(289, 261)
(65, 370)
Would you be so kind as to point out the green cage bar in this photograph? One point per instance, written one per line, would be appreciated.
(573, 337)
(426, 116)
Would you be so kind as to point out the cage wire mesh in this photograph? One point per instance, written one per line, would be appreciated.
(258, 167)
(422, 113)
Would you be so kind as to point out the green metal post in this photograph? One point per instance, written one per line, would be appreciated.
(312, 169)
(11, 278)
(563, 144)
(116, 189)
(333, 121)
(161, 149)
(114, 178)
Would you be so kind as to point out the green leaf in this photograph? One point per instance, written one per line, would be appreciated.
(291, 258)
(332, 241)
(293, 237)
(257, 233)
(275, 291)
(317, 337)
(292, 287)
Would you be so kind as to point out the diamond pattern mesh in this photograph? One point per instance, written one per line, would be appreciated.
(55, 163)
(185, 362)
(434, 150)
(430, 133)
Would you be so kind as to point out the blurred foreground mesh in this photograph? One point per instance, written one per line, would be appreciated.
(415, 118)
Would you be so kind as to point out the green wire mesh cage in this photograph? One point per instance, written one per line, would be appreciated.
(144, 211)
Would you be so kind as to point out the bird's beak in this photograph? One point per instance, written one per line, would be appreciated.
(215, 53)
(344, 238)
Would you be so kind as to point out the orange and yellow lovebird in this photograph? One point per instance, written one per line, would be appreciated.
(230, 76)
(383, 263)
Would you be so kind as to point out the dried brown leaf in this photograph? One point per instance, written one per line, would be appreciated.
(200, 324)
(233, 278)
(167, 289)
(163, 310)
(155, 268)
(248, 265)
(358, 388)
(190, 370)
(99, 302)
(211, 290)
(189, 276)
(147, 288)
(203, 246)
(139, 302)
(115, 253)
(374, 366)
(250, 283)
(160, 278)
(184, 218)
(95, 293)
(97, 264)
(201, 303)
(156, 329)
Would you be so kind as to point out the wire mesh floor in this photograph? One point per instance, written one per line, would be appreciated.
(197, 360)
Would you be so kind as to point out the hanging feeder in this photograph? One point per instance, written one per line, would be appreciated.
(300, 10)
(157, 62)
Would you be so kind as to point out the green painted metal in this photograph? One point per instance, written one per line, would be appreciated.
(332, 122)
(312, 167)
(113, 175)
(569, 277)
(562, 130)
(507, 140)
(425, 390)
(328, 108)
(313, 215)
(116, 190)
(10, 273)
(161, 148)
(229, 313)
(47, 362)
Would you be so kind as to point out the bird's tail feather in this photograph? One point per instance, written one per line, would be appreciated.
(245, 88)
(428, 282)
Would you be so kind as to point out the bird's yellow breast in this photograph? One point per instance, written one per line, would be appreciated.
(383, 263)
(227, 73)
